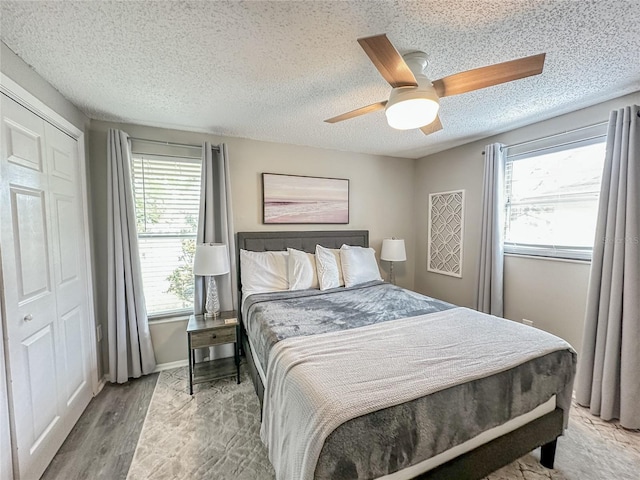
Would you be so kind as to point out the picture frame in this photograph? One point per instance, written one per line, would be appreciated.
(446, 233)
(300, 199)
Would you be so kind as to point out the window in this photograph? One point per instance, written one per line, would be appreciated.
(552, 197)
(167, 197)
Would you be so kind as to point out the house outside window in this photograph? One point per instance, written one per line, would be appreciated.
(552, 189)
(167, 200)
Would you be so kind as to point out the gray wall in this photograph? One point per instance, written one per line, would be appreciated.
(381, 201)
(552, 293)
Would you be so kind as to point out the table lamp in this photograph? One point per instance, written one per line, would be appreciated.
(393, 251)
(211, 259)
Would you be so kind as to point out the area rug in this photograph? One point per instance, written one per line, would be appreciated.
(214, 434)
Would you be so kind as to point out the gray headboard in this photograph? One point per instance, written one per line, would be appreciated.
(304, 240)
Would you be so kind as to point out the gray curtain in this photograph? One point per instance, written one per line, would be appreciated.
(130, 348)
(489, 297)
(215, 224)
(608, 380)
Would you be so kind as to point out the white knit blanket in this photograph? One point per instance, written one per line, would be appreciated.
(316, 383)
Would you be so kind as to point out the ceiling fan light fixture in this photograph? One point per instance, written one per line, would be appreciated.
(412, 107)
(412, 113)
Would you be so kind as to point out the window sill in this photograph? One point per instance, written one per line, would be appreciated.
(171, 318)
(552, 259)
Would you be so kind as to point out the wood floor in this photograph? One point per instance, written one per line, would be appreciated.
(102, 443)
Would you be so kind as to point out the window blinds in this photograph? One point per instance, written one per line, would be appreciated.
(167, 199)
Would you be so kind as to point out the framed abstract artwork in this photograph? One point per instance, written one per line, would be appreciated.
(446, 232)
(300, 199)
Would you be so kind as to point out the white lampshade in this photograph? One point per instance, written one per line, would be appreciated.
(211, 259)
(393, 250)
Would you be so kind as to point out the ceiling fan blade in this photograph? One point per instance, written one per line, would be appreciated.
(488, 76)
(374, 107)
(432, 127)
(388, 61)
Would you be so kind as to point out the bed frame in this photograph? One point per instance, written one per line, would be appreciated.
(474, 465)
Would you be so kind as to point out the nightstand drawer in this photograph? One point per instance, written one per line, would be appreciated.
(218, 336)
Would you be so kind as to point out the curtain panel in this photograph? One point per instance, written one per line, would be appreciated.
(608, 380)
(215, 225)
(489, 296)
(130, 348)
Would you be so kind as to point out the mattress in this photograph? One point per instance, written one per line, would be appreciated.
(395, 435)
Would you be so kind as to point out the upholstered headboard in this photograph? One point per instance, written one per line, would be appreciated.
(303, 240)
(306, 241)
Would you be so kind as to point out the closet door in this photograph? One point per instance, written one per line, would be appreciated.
(69, 272)
(46, 329)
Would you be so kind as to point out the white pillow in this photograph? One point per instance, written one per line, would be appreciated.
(329, 268)
(263, 272)
(359, 265)
(302, 270)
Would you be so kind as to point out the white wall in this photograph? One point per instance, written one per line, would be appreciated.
(551, 293)
(381, 200)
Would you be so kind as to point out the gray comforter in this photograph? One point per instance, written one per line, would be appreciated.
(405, 434)
(271, 317)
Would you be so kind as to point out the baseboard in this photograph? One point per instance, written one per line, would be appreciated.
(101, 383)
(169, 365)
(159, 368)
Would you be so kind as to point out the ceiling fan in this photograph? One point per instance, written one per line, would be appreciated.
(414, 100)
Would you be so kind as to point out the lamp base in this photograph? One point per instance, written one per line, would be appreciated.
(212, 306)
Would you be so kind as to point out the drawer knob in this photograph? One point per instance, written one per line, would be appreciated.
(213, 335)
(28, 317)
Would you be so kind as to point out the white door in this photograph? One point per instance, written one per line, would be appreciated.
(69, 272)
(45, 293)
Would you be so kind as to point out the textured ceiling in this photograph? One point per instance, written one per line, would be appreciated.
(274, 70)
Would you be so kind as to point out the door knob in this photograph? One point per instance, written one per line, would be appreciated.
(28, 317)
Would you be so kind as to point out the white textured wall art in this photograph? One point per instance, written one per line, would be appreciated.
(446, 225)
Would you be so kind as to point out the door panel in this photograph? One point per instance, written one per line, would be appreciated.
(65, 218)
(76, 378)
(62, 161)
(23, 141)
(39, 356)
(29, 233)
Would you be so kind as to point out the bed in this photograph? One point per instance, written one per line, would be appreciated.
(421, 426)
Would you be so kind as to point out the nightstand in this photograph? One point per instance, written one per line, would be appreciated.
(203, 333)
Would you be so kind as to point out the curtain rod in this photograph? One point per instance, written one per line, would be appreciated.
(552, 136)
(172, 144)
